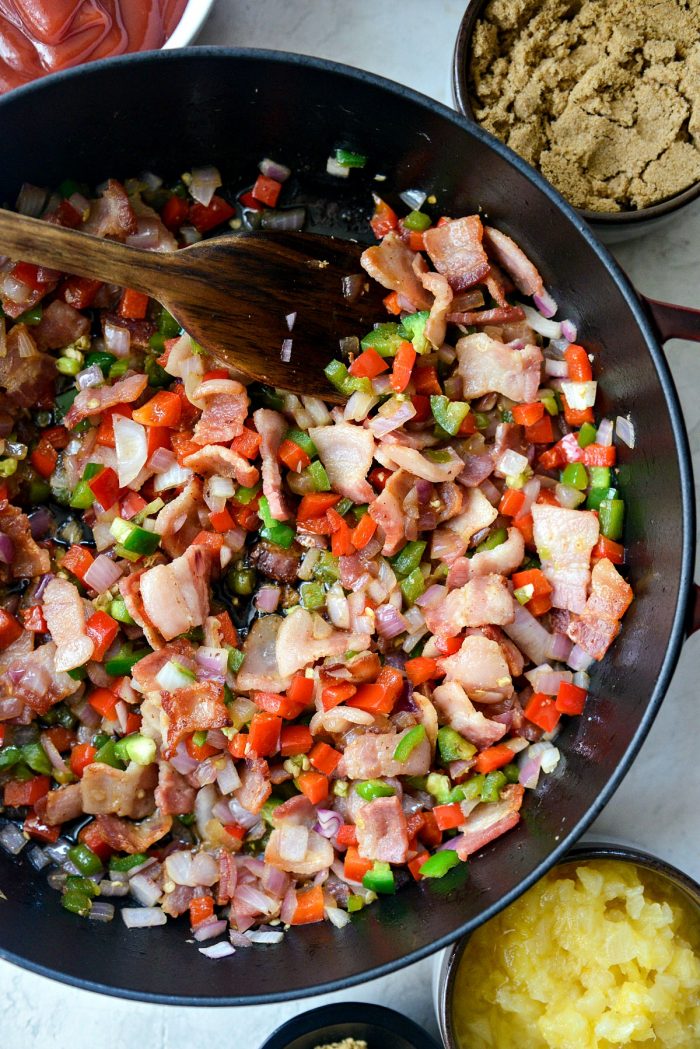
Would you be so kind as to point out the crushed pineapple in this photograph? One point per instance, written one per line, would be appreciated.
(598, 955)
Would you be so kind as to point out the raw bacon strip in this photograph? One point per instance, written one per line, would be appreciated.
(225, 410)
(481, 670)
(382, 833)
(272, 427)
(346, 451)
(387, 510)
(97, 399)
(488, 821)
(196, 708)
(65, 617)
(489, 366)
(213, 459)
(481, 601)
(599, 624)
(392, 264)
(456, 251)
(514, 261)
(111, 215)
(457, 710)
(370, 756)
(176, 596)
(564, 540)
(124, 836)
(123, 792)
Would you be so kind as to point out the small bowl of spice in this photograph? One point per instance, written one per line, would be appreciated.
(601, 96)
(602, 953)
(350, 1025)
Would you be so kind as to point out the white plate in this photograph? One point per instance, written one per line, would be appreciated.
(193, 18)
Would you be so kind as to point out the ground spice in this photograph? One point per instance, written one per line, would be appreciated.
(603, 96)
(347, 1043)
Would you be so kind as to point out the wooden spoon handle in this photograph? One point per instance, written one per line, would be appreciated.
(33, 240)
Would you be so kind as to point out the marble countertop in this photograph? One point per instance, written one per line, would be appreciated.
(656, 805)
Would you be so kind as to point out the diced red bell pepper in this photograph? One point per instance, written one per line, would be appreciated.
(541, 710)
(133, 723)
(238, 745)
(183, 445)
(600, 455)
(403, 366)
(314, 785)
(614, 552)
(341, 541)
(105, 431)
(347, 835)
(310, 907)
(80, 292)
(527, 414)
(336, 694)
(576, 416)
(38, 830)
(278, 704)
(422, 669)
(384, 218)
(301, 689)
(425, 380)
(221, 520)
(315, 504)
(264, 733)
(175, 213)
(105, 703)
(363, 532)
(235, 830)
(579, 365)
(81, 755)
(449, 816)
(206, 217)
(325, 759)
(391, 302)
(368, 365)
(416, 863)
(525, 526)
(355, 866)
(201, 909)
(247, 443)
(103, 630)
(199, 751)
(133, 304)
(492, 758)
(27, 273)
(10, 629)
(77, 560)
(294, 740)
(447, 646)
(105, 487)
(44, 457)
(267, 190)
(91, 836)
(25, 792)
(164, 409)
(130, 505)
(571, 699)
(33, 619)
(540, 432)
(421, 403)
(293, 457)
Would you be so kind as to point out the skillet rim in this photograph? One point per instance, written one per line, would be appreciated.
(666, 383)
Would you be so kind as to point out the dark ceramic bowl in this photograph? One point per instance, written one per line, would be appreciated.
(612, 227)
(380, 1027)
(446, 972)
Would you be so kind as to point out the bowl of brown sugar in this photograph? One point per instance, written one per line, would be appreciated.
(601, 96)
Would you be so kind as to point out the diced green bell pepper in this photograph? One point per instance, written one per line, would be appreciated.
(32, 316)
(302, 440)
(108, 755)
(369, 789)
(101, 358)
(493, 785)
(408, 743)
(85, 859)
(497, 538)
(63, 402)
(453, 747)
(549, 400)
(246, 495)
(274, 531)
(319, 478)
(511, 772)
(439, 786)
(77, 903)
(9, 756)
(338, 375)
(312, 595)
(408, 558)
(448, 414)
(120, 612)
(34, 755)
(235, 659)
(122, 663)
(596, 496)
(125, 863)
(385, 339)
(354, 904)
(133, 537)
(137, 748)
(413, 327)
(599, 477)
(611, 515)
(82, 497)
(76, 883)
(380, 879)
(417, 221)
(327, 568)
(439, 864)
(574, 474)
(473, 787)
(413, 586)
(167, 325)
(348, 158)
(586, 435)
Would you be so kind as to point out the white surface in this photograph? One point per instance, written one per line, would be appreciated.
(656, 806)
(193, 18)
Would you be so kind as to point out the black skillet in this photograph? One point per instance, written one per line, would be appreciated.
(168, 111)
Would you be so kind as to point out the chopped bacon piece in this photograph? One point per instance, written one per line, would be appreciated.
(65, 618)
(436, 324)
(391, 263)
(477, 318)
(196, 708)
(387, 510)
(382, 833)
(29, 559)
(111, 215)
(123, 792)
(502, 560)
(514, 261)
(37, 682)
(124, 836)
(176, 596)
(488, 821)
(393, 455)
(96, 399)
(144, 672)
(318, 855)
(272, 427)
(489, 366)
(456, 250)
(457, 710)
(599, 624)
(260, 670)
(228, 877)
(512, 654)
(255, 786)
(276, 562)
(483, 600)
(61, 805)
(178, 522)
(173, 795)
(225, 409)
(222, 462)
(370, 756)
(303, 638)
(480, 669)
(22, 376)
(59, 326)
(346, 451)
(130, 589)
(564, 540)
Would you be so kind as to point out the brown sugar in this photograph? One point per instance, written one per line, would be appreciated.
(603, 96)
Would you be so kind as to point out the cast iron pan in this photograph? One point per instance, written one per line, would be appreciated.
(168, 111)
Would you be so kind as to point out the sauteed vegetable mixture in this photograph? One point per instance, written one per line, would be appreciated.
(263, 659)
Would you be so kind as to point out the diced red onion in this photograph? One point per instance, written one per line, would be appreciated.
(329, 822)
(273, 169)
(38, 858)
(284, 218)
(181, 760)
(12, 839)
(579, 659)
(266, 936)
(240, 815)
(338, 608)
(447, 546)
(560, 648)
(208, 930)
(544, 679)
(143, 917)
(568, 496)
(529, 634)
(102, 573)
(413, 198)
(117, 339)
(267, 598)
(337, 916)
(625, 430)
(88, 377)
(147, 235)
(227, 778)
(144, 890)
(101, 911)
(604, 434)
(560, 369)
(30, 200)
(571, 448)
(87, 714)
(358, 406)
(550, 329)
(392, 414)
(114, 888)
(16, 291)
(205, 773)
(289, 905)
(7, 549)
(582, 679)
(511, 464)
(205, 181)
(530, 490)
(254, 901)
(286, 351)
(381, 384)
(171, 478)
(213, 662)
(290, 318)
(52, 753)
(432, 596)
(190, 235)
(545, 304)
(530, 771)
(161, 460)
(131, 445)
(390, 622)
(568, 330)
(11, 707)
(239, 939)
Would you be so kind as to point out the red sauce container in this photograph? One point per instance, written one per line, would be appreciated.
(42, 36)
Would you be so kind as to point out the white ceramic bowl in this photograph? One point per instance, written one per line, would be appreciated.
(193, 18)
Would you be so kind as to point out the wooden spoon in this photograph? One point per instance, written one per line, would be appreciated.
(234, 294)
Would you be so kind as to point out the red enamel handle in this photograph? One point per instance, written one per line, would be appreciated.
(674, 322)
